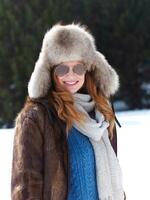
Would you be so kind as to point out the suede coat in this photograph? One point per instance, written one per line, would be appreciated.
(40, 155)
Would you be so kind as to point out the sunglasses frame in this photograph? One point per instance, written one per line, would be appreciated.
(69, 68)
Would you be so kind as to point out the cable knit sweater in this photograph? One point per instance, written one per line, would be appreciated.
(82, 173)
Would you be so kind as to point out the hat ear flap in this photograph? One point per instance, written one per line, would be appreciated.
(105, 76)
(39, 82)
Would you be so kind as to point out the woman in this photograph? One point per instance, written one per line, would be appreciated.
(63, 135)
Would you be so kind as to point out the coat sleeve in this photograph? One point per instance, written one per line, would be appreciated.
(27, 162)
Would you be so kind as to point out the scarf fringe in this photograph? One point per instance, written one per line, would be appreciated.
(107, 198)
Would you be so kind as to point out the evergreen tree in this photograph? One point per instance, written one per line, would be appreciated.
(121, 29)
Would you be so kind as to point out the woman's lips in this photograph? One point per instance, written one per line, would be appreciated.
(70, 83)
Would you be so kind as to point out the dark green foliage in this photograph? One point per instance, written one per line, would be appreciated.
(121, 29)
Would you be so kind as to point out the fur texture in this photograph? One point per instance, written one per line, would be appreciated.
(71, 42)
(40, 157)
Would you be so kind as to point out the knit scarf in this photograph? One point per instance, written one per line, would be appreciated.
(108, 170)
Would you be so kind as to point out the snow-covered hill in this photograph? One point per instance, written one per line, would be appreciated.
(133, 155)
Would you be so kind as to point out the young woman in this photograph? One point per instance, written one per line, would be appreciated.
(64, 147)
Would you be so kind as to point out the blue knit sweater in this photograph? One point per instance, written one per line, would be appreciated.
(82, 174)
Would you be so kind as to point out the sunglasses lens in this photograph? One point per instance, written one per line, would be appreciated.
(79, 69)
(61, 70)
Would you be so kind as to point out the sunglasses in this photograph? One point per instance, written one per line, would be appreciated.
(61, 70)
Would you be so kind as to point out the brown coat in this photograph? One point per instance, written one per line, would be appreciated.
(40, 160)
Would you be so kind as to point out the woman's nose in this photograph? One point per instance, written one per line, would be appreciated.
(71, 73)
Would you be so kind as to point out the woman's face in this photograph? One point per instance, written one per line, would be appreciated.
(71, 75)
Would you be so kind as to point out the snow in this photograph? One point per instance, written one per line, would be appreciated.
(6, 147)
(133, 149)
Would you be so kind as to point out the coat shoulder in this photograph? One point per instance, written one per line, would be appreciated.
(33, 112)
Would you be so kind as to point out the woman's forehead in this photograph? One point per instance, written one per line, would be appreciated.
(73, 62)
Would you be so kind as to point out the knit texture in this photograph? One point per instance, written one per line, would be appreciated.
(82, 172)
(108, 170)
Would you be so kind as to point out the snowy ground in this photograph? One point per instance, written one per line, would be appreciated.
(133, 149)
(133, 153)
(6, 144)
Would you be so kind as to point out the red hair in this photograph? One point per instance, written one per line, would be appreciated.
(62, 101)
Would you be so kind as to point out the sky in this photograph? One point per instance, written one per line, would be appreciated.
(133, 155)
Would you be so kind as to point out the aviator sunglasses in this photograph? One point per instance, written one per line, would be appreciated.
(62, 69)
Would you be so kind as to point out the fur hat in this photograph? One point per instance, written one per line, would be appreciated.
(71, 42)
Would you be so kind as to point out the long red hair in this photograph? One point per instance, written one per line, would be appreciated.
(62, 101)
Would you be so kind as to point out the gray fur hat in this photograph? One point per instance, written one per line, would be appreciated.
(71, 42)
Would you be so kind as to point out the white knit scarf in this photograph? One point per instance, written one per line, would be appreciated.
(108, 170)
